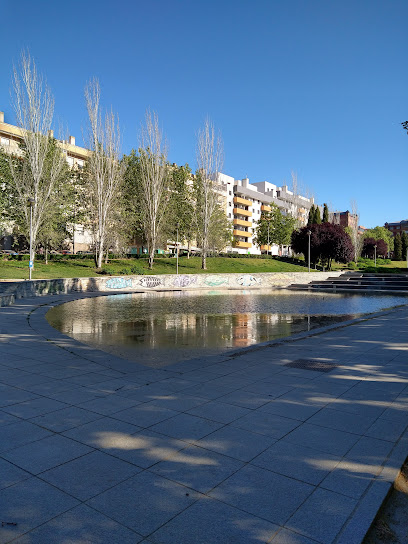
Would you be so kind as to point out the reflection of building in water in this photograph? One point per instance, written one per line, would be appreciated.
(175, 329)
(243, 329)
(251, 328)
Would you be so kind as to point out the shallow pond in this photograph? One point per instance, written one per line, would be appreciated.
(161, 328)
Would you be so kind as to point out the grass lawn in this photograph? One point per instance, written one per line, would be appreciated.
(66, 267)
(80, 268)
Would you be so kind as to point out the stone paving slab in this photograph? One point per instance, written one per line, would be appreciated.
(221, 449)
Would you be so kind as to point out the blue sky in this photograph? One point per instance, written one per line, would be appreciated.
(317, 87)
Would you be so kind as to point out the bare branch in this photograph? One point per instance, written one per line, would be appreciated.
(209, 156)
(357, 238)
(153, 180)
(42, 162)
(105, 169)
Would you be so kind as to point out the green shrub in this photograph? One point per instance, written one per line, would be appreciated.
(105, 271)
(136, 269)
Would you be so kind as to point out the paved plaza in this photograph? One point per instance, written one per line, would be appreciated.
(264, 446)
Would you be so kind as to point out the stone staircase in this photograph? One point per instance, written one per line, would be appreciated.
(358, 281)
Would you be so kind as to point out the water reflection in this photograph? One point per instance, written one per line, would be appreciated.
(161, 328)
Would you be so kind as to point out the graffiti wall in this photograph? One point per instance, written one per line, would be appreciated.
(12, 291)
(206, 281)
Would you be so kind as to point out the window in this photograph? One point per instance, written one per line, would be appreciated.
(70, 161)
(80, 163)
(4, 141)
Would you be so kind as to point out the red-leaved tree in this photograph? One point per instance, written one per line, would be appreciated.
(369, 247)
(328, 243)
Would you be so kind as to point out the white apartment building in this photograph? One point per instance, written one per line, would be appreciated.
(246, 201)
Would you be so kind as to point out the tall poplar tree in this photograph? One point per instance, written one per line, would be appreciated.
(404, 245)
(311, 218)
(397, 248)
(325, 213)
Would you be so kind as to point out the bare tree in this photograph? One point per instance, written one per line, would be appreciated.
(154, 176)
(357, 238)
(207, 197)
(42, 161)
(331, 212)
(105, 169)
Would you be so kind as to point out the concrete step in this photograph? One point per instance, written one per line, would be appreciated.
(364, 283)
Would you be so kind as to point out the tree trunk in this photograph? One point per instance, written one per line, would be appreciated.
(151, 260)
(99, 256)
(32, 255)
(107, 256)
(204, 261)
(46, 254)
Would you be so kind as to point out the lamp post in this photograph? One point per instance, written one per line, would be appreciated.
(177, 252)
(31, 201)
(375, 255)
(267, 248)
(309, 233)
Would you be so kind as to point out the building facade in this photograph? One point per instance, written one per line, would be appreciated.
(397, 228)
(345, 219)
(76, 156)
(244, 204)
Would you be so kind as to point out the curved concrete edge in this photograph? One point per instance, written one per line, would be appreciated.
(11, 291)
(313, 332)
(377, 493)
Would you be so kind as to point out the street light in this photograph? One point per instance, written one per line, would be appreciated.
(177, 253)
(309, 233)
(31, 201)
(375, 255)
(267, 248)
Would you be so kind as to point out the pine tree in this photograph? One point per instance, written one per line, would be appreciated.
(317, 217)
(404, 245)
(311, 217)
(397, 248)
(325, 214)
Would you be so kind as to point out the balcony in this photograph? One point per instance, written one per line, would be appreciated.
(240, 211)
(242, 233)
(265, 208)
(266, 248)
(242, 223)
(243, 201)
(245, 245)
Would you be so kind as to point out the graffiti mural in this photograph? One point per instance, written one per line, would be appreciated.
(150, 281)
(248, 281)
(184, 281)
(118, 283)
(215, 281)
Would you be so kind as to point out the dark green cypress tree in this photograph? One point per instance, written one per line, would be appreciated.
(311, 217)
(404, 245)
(397, 248)
(317, 217)
(325, 213)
